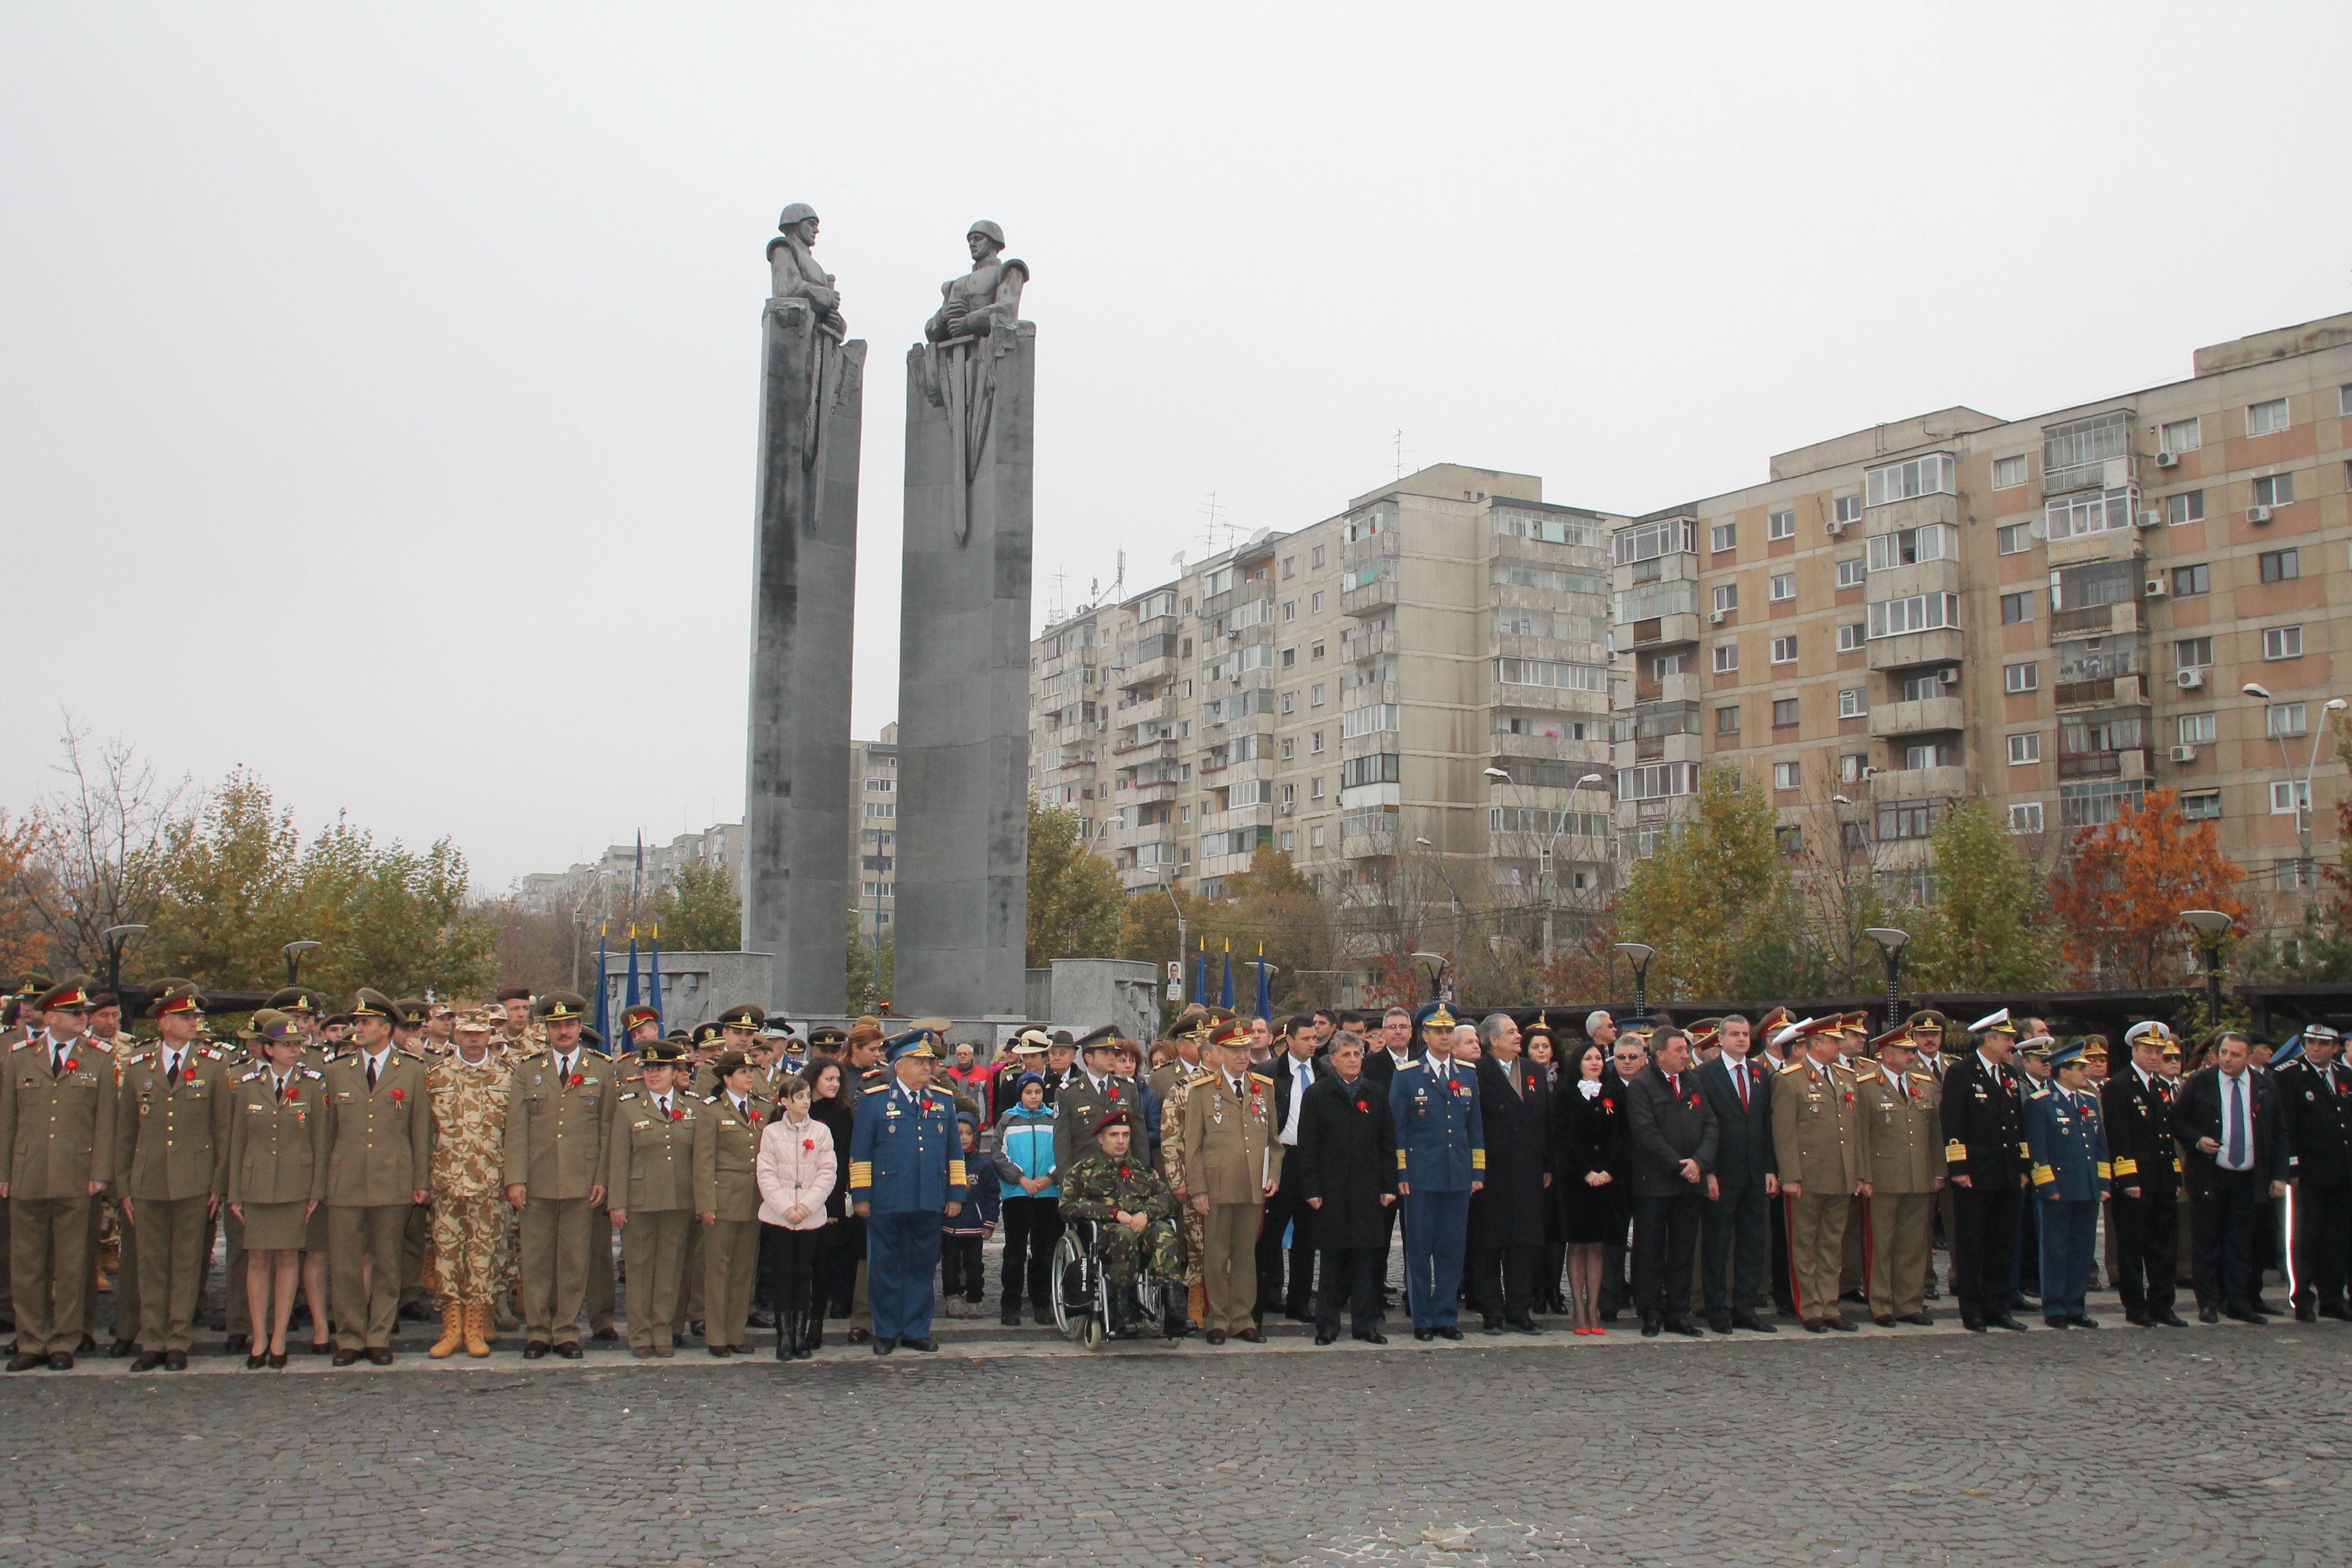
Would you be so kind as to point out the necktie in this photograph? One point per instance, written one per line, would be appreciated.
(1739, 1078)
(171, 1070)
(1674, 1082)
(665, 1107)
(2233, 1151)
(372, 1073)
(1904, 1088)
(740, 1109)
(57, 1061)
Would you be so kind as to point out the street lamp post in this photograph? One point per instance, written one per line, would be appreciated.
(1641, 955)
(2211, 926)
(117, 937)
(2261, 693)
(1436, 962)
(1168, 886)
(293, 952)
(1544, 856)
(1890, 942)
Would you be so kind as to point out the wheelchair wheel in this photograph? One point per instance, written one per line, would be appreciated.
(1073, 1306)
(1097, 1333)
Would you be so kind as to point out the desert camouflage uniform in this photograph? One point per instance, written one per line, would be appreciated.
(470, 1212)
(509, 1049)
(1172, 1155)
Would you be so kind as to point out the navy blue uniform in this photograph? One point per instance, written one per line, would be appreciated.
(1441, 1143)
(2071, 1175)
(906, 1161)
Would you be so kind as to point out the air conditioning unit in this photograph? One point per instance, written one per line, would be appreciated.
(2151, 519)
(1714, 617)
(2157, 588)
(2258, 515)
(1289, 807)
(1869, 773)
(1948, 677)
(2184, 753)
(2168, 460)
(1836, 529)
(2190, 679)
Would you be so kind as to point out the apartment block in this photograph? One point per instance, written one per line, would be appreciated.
(1421, 676)
(873, 785)
(2056, 614)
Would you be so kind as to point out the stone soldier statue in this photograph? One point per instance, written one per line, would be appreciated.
(1902, 1156)
(650, 1173)
(58, 1107)
(1817, 1144)
(558, 1109)
(469, 1088)
(793, 273)
(974, 326)
(1135, 1214)
(173, 1128)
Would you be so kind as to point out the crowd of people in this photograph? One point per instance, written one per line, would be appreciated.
(400, 1158)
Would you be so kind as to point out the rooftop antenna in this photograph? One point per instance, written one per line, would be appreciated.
(1053, 611)
(1216, 524)
(1397, 442)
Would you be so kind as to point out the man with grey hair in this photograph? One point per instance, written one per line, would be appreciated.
(1674, 1138)
(1468, 1047)
(1600, 1028)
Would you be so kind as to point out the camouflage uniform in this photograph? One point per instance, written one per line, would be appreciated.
(1099, 1186)
(469, 1206)
(510, 1049)
(1172, 1155)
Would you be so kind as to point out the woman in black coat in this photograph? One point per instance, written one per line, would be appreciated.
(1588, 1154)
(842, 1245)
(1542, 1048)
(1347, 1174)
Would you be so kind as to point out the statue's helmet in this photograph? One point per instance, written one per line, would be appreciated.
(794, 214)
(994, 231)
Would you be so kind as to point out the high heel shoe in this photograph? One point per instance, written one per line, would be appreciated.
(277, 1358)
(256, 1361)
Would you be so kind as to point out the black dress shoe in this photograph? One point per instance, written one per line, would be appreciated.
(534, 1349)
(61, 1360)
(2258, 1306)
(884, 1346)
(1651, 1324)
(2167, 1319)
(1973, 1325)
(278, 1360)
(1523, 1324)
(1817, 1325)
(317, 1347)
(414, 1312)
(1836, 1323)
(859, 1336)
(1752, 1323)
(926, 1344)
(2306, 1313)
(1417, 1333)
(1252, 1335)
(121, 1348)
(1857, 1297)
(722, 1352)
(698, 1327)
(378, 1356)
(1371, 1336)
(2336, 1310)
(1883, 1319)
(569, 1350)
(2007, 1321)
(236, 1342)
(1448, 1331)
(256, 1361)
(609, 1334)
(148, 1361)
(2058, 1322)
(1491, 1326)
(2207, 1315)
(2081, 1321)
(2139, 1320)
(87, 1343)
(1684, 1327)
(25, 1362)
(345, 1357)
(1010, 1319)
(175, 1361)
(759, 1320)
(1215, 1336)
(1922, 1317)
(1325, 1337)
(2244, 1315)
(1721, 1325)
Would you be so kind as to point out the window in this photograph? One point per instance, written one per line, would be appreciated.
(2344, 400)
(2280, 565)
(1909, 546)
(1853, 835)
(881, 809)
(1906, 818)
(1649, 541)
(1289, 748)
(2189, 506)
(1921, 612)
(1667, 664)
(1784, 713)
(2190, 581)
(2025, 748)
(1314, 837)
(1786, 775)
(1316, 558)
(1784, 650)
(2092, 805)
(1850, 638)
(2266, 419)
(1727, 598)
(1314, 650)
(2076, 455)
(2085, 512)
(1315, 606)
(2183, 436)
(1315, 744)
(1290, 567)
(1654, 781)
(1852, 766)
(2282, 642)
(1555, 673)
(1290, 702)
(1850, 573)
(1727, 720)
(2196, 729)
(1724, 536)
(1920, 688)
(2015, 539)
(2287, 795)
(1780, 525)
(1846, 510)
(1900, 481)
(2008, 473)
(1783, 585)
(2286, 720)
(2274, 489)
(1315, 695)
(1378, 768)
(1368, 720)
(1315, 786)
(1852, 704)
(2193, 653)
(2025, 816)
(1289, 657)
(2203, 806)
(1290, 609)
(1727, 657)
(2016, 607)
(2016, 677)
(1931, 755)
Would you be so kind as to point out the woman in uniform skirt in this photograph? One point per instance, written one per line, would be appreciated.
(1589, 1154)
(277, 1180)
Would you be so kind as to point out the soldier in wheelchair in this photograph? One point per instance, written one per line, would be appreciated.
(1119, 1268)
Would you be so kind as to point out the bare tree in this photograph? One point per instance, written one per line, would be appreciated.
(102, 828)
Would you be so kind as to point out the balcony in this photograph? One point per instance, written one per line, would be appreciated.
(1218, 605)
(1373, 645)
(1143, 791)
(1682, 747)
(2108, 691)
(1145, 749)
(1377, 845)
(1369, 599)
(1919, 783)
(1942, 646)
(1924, 716)
(1664, 631)
(2131, 763)
(2120, 619)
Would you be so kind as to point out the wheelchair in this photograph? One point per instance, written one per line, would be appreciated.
(1088, 1310)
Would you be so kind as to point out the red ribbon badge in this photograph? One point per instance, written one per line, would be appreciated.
(288, 1094)
(678, 1115)
(398, 1095)
(576, 1080)
(1124, 1173)
(1608, 1106)
(808, 1145)
(1694, 1102)
(1849, 1097)
(73, 1064)
(1114, 1091)
(1364, 1105)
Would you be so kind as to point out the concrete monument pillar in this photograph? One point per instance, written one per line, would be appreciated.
(963, 647)
(798, 816)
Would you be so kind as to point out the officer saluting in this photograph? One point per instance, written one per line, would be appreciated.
(1441, 1143)
(906, 1171)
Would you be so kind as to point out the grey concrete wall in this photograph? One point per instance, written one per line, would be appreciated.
(695, 986)
(799, 818)
(963, 705)
(1091, 992)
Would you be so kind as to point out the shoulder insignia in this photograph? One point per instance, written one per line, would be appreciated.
(631, 1095)
(1260, 1077)
(134, 1059)
(1921, 1077)
(877, 1088)
(253, 1074)
(1793, 1066)
(710, 1100)
(313, 1072)
(2038, 1094)
(1198, 1078)
(20, 1045)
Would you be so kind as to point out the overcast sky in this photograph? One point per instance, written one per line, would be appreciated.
(377, 383)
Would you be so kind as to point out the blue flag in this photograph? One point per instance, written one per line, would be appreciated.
(630, 1000)
(603, 1022)
(653, 991)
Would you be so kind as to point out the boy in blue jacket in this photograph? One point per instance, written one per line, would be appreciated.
(963, 1281)
(1021, 1154)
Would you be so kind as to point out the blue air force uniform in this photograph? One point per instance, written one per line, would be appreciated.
(906, 1161)
(2072, 1173)
(1441, 1145)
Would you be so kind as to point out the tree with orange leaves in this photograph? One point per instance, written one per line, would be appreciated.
(22, 944)
(2119, 894)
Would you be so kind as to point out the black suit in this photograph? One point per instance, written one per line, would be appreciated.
(2222, 1203)
(1668, 1122)
(1984, 1151)
(2147, 1228)
(1736, 1225)
(2319, 1109)
(1346, 1158)
(1285, 1209)
(1509, 1217)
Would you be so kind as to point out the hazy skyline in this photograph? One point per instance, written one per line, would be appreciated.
(379, 394)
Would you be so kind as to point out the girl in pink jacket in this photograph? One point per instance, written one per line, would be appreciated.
(797, 1171)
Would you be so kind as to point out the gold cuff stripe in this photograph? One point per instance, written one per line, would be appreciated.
(2106, 1172)
(2127, 1168)
(955, 1173)
(2044, 1175)
(1956, 1151)
(1477, 1159)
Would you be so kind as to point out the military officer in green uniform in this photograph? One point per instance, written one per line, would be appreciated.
(171, 1143)
(558, 1113)
(1817, 1144)
(1900, 1121)
(379, 1172)
(727, 1200)
(649, 1177)
(1136, 1214)
(56, 1154)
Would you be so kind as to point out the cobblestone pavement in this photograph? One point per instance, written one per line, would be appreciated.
(2126, 1447)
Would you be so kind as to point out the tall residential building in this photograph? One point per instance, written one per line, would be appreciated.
(2056, 614)
(873, 785)
(1421, 681)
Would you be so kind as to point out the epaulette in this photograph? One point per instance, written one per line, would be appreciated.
(1203, 1077)
(877, 1089)
(20, 1045)
(1922, 1077)
(1793, 1066)
(134, 1058)
(631, 1095)
(592, 1052)
(253, 1074)
(2038, 1094)
(713, 1100)
(1260, 1077)
(313, 1072)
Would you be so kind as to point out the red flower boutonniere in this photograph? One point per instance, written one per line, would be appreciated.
(289, 1094)
(398, 1095)
(808, 1145)
(677, 1114)
(1608, 1106)
(1694, 1102)
(1849, 1097)
(577, 1080)
(1364, 1105)
(1124, 1173)
(73, 1064)
(1114, 1091)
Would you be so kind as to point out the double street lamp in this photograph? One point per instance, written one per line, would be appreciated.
(1544, 850)
(2211, 927)
(117, 938)
(292, 953)
(1890, 942)
(2261, 694)
(1640, 954)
